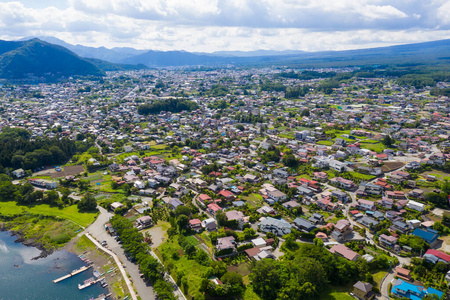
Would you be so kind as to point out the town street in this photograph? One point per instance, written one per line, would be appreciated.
(97, 230)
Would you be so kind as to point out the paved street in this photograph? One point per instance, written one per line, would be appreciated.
(97, 230)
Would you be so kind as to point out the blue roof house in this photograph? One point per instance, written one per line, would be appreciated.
(414, 292)
(429, 236)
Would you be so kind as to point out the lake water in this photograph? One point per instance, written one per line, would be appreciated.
(33, 279)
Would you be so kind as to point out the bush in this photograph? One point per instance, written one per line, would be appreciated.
(244, 247)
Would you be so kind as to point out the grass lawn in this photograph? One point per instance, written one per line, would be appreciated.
(254, 200)
(377, 277)
(361, 176)
(306, 176)
(70, 213)
(438, 174)
(378, 147)
(326, 143)
(48, 232)
(337, 293)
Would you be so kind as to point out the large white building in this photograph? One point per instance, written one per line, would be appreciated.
(415, 205)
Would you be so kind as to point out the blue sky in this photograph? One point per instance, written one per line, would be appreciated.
(217, 25)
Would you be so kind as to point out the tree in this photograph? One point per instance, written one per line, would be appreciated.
(87, 203)
(388, 141)
(114, 185)
(182, 210)
(221, 218)
(290, 161)
(182, 222)
(51, 197)
(266, 278)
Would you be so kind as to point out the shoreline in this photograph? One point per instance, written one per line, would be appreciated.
(29, 242)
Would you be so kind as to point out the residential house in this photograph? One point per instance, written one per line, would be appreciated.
(388, 241)
(403, 273)
(291, 205)
(209, 224)
(229, 196)
(278, 227)
(365, 204)
(144, 222)
(337, 165)
(363, 290)
(345, 252)
(281, 173)
(430, 236)
(213, 208)
(341, 196)
(401, 226)
(415, 205)
(195, 225)
(435, 256)
(225, 243)
(203, 199)
(234, 215)
(316, 218)
(276, 195)
(411, 291)
(304, 225)
(19, 173)
(343, 183)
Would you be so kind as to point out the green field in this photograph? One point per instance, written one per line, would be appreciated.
(184, 270)
(361, 176)
(70, 213)
(254, 200)
(46, 231)
(377, 147)
(337, 293)
(325, 143)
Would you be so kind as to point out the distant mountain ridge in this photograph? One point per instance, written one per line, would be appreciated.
(34, 56)
(19, 59)
(114, 55)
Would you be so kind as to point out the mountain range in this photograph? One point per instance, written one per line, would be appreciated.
(48, 55)
(428, 52)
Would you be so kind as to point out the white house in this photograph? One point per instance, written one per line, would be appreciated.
(415, 205)
(276, 195)
(139, 184)
(19, 173)
(337, 165)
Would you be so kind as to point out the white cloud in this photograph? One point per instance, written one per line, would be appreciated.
(209, 25)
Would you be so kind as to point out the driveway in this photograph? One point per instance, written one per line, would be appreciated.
(98, 231)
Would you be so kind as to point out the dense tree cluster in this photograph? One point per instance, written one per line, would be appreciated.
(137, 249)
(169, 105)
(249, 118)
(27, 195)
(19, 151)
(306, 272)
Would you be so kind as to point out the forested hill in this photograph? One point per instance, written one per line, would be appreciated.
(38, 58)
(18, 151)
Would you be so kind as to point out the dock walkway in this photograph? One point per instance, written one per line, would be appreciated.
(73, 273)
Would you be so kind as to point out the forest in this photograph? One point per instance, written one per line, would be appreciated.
(18, 150)
(169, 105)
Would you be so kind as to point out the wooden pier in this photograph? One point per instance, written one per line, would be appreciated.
(73, 273)
(89, 282)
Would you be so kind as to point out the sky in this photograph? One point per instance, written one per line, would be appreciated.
(220, 25)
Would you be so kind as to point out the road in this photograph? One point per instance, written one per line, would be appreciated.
(97, 230)
(119, 264)
(385, 285)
